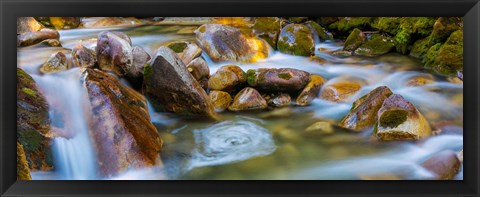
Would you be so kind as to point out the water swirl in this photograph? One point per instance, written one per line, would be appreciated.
(230, 141)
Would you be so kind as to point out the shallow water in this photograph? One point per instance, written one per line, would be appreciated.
(257, 145)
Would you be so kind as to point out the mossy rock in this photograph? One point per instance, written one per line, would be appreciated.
(390, 25)
(268, 28)
(420, 47)
(297, 19)
(354, 40)
(23, 171)
(296, 39)
(321, 32)
(345, 24)
(444, 26)
(377, 45)
(449, 58)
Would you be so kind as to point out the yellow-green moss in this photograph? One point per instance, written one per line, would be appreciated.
(297, 41)
(268, 29)
(322, 33)
(285, 76)
(346, 24)
(354, 40)
(147, 71)
(29, 92)
(178, 47)
(377, 45)
(252, 77)
(202, 29)
(393, 118)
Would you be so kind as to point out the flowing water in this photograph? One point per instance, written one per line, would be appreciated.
(255, 145)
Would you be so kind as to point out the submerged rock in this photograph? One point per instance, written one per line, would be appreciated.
(363, 113)
(296, 39)
(268, 28)
(121, 129)
(31, 38)
(279, 100)
(114, 53)
(56, 63)
(220, 100)
(341, 89)
(28, 24)
(278, 79)
(354, 40)
(33, 123)
(23, 171)
(187, 51)
(65, 22)
(311, 90)
(228, 78)
(225, 43)
(375, 46)
(420, 80)
(200, 71)
(322, 127)
(445, 165)
(398, 119)
(180, 92)
(83, 56)
(248, 99)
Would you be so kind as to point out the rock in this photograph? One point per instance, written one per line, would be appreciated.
(444, 165)
(33, 123)
(363, 113)
(342, 53)
(65, 22)
(181, 93)
(354, 40)
(83, 56)
(121, 129)
(225, 43)
(341, 89)
(398, 119)
(23, 171)
(420, 47)
(420, 80)
(198, 67)
(326, 21)
(187, 51)
(345, 24)
(32, 38)
(278, 100)
(444, 26)
(319, 31)
(50, 43)
(27, 24)
(268, 28)
(96, 22)
(448, 59)
(323, 127)
(114, 53)
(296, 39)
(228, 78)
(248, 99)
(311, 90)
(297, 19)
(140, 59)
(220, 100)
(56, 63)
(278, 79)
(375, 46)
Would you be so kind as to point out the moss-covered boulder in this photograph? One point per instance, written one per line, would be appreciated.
(311, 90)
(229, 78)
(121, 130)
(199, 69)
(23, 171)
(445, 165)
(56, 62)
(420, 47)
(33, 123)
(187, 51)
(296, 39)
(65, 22)
(398, 119)
(448, 58)
(341, 89)
(278, 99)
(444, 26)
(248, 99)
(345, 24)
(180, 92)
(354, 40)
(376, 45)
(31, 38)
(319, 31)
(225, 43)
(278, 79)
(297, 19)
(363, 113)
(28, 24)
(220, 100)
(83, 56)
(268, 28)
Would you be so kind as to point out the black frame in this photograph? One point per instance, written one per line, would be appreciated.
(10, 9)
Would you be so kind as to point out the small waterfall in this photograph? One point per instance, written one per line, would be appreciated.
(73, 151)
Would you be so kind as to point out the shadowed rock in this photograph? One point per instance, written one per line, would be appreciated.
(248, 99)
(114, 53)
(200, 71)
(278, 79)
(354, 40)
(23, 172)
(140, 59)
(83, 57)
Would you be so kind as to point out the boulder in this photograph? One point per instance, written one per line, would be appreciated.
(220, 100)
(31, 38)
(23, 171)
(114, 53)
(278, 79)
(187, 51)
(447, 58)
(445, 165)
(268, 28)
(341, 89)
(179, 91)
(198, 67)
(120, 125)
(375, 46)
(56, 63)
(444, 26)
(420, 80)
(296, 39)
(363, 113)
(248, 99)
(33, 123)
(65, 22)
(319, 31)
(28, 24)
(228, 78)
(398, 119)
(311, 90)
(140, 59)
(225, 43)
(278, 99)
(345, 24)
(50, 43)
(83, 56)
(354, 40)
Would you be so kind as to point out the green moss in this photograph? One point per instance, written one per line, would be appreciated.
(389, 25)
(297, 41)
(285, 76)
(393, 118)
(346, 24)
(29, 92)
(178, 47)
(423, 26)
(268, 29)
(354, 40)
(147, 71)
(202, 29)
(447, 59)
(322, 33)
(420, 47)
(444, 26)
(30, 139)
(377, 45)
(431, 55)
(252, 77)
